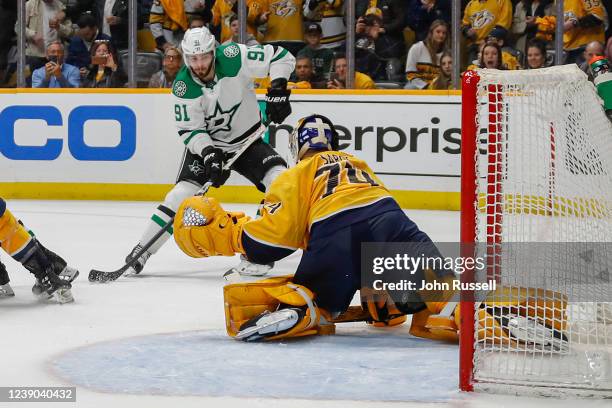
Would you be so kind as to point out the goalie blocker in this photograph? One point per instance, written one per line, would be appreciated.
(348, 205)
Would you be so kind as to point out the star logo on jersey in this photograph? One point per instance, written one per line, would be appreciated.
(220, 121)
(180, 88)
(231, 51)
(196, 168)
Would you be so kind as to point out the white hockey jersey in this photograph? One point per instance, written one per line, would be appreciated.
(224, 112)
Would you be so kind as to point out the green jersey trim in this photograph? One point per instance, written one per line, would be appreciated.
(228, 60)
(279, 56)
(185, 86)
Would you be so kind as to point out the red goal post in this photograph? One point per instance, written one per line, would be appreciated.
(536, 162)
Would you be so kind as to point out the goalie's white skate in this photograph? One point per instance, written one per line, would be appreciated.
(138, 266)
(6, 291)
(269, 324)
(247, 269)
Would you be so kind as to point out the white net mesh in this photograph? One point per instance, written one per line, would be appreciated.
(544, 182)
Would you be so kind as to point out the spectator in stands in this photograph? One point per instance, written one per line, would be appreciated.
(75, 8)
(330, 14)
(491, 56)
(510, 56)
(235, 29)
(609, 48)
(172, 63)
(592, 49)
(321, 57)
(168, 22)
(584, 23)
(282, 23)
(104, 71)
(113, 20)
(196, 21)
(390, 42)
(55, 73)
(444, 80)
(224, 10)
(421, 13)
(479, 18)
(536, 54)
(524, 24)
(45, 23)
(368, 29)
(338, 78)
(8, 17)
(304, 76)
(423, 61)
(80, 44)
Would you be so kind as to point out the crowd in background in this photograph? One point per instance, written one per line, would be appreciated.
(398, 43)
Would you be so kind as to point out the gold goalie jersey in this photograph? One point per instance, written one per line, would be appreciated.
(317, 189)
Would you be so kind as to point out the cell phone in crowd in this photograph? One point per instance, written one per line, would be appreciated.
(53, 58)
(99, 60)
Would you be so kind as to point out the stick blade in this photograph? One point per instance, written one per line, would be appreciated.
(103, 277)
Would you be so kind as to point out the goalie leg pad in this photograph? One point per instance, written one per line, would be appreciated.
(252, 309)
(202, 228)
(508, 317)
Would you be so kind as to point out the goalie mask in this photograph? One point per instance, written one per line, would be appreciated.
(198, 48)
(314, 132)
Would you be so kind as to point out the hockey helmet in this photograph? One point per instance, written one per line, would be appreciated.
(198, 41)
(314, 132)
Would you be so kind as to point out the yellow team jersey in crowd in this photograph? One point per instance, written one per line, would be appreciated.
(316, 189)
(222, 12)
(577, 9)
(363, 81)
(510, 61)
(482, 16)
(285, 21)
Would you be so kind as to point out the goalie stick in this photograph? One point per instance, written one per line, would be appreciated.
(102, 276)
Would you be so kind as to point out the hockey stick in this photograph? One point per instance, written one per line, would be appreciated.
(102, 276)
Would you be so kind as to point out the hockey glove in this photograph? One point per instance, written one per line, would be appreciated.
(212, 160)
(203, 228)
(277, 101)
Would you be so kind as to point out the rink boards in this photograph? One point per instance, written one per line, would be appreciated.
(122, 144)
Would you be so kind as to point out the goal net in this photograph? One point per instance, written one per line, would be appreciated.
(537, 201)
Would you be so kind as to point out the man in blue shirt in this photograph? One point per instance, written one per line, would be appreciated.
(55, 73)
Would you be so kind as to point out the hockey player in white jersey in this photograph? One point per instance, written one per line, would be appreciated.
(216, 112)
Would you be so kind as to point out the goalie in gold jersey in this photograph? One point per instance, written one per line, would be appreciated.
(327, 204)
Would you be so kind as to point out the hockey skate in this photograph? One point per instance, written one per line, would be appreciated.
(269, 324)
(6, 291)
(52, 286)
(47, 266)
(247, 269)
(138, 266)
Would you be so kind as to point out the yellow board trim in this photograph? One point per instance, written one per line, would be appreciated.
(430, 200)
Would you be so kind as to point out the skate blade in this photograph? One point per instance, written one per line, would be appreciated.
(63, 296)
(60, 296)
(232, 276)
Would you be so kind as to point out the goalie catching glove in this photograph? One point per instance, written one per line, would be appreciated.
(202, 228)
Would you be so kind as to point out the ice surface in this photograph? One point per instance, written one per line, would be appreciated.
(137, 337)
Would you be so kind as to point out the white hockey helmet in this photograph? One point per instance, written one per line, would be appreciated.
(198, 41)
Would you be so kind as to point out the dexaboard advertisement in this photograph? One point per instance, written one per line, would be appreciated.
(126, 140)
